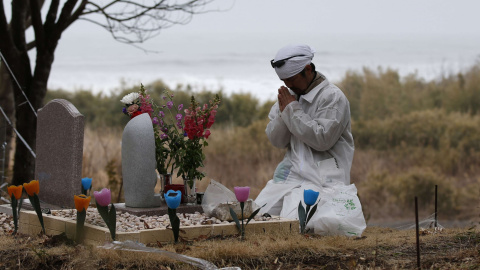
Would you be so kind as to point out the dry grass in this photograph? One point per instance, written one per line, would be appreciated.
(379, 248)
(387, 181)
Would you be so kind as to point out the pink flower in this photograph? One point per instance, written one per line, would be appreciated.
(207, 133)
(178, 117)
(132, 108)
(242, 193)
(155, 120)
(104, 197)
(180, 107)
(163, 136)
(170, 104)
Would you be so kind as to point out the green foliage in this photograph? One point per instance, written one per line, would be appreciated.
(397, 191)
(239, 109)
(429, 128)
(383, 94)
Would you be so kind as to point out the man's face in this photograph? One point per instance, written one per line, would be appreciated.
(297, 83)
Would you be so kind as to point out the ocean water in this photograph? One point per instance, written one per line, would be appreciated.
(239, 63)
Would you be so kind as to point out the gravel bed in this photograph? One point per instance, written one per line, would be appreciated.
(127, 222)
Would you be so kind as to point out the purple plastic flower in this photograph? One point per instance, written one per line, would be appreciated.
(103, 197)
(178, 117)
(170, 104)
(155, 121)
(242, 193)
(180, 107)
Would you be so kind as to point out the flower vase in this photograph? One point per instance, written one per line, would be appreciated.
(165, 180)
(190, 193)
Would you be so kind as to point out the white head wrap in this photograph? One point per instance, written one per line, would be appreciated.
(303, 56)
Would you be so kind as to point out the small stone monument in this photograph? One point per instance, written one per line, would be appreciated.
(59, 150)
(138, 163)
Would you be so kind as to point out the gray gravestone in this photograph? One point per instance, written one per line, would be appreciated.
(138, 163)
(59, 149)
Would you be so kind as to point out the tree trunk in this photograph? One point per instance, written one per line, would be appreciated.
(26, 121)
(7, 104)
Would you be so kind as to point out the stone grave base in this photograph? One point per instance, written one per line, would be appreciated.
(96, 235)
(157, 211)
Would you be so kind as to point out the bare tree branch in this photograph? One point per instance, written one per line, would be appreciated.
(7, 38)
(76, 14)
(51, 16)
(37, 24)
(31, 45)
(17, 25)
(135, 21)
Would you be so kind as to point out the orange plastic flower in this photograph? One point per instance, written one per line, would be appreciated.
(32, 188)
(81, 202)
(16, 191)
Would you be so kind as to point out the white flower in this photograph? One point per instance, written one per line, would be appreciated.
(130, 98)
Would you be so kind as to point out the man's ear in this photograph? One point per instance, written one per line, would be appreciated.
(308, 68)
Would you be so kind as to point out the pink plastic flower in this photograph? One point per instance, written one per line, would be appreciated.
(242, 193)
(104, 197)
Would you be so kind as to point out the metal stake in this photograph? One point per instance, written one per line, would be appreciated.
(417, 233)
(436, 186)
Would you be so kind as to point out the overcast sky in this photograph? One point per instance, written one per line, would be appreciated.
(344, 16)
(340, 16)
(267, 25)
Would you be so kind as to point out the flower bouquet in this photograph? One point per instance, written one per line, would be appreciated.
(198, 121)
(179, 140)
(169, 135)
(137, 103)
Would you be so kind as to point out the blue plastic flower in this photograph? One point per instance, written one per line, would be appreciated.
(310, 197)
(173, 198)
(86, 183)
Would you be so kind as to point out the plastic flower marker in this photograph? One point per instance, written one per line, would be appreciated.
(310, 197)
(173, 199)
(15, 193)
(32, 189)
(103, 199)
(242, 194)
(81, 204)
(86, 185)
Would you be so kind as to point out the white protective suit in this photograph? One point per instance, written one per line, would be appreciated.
(317, 134)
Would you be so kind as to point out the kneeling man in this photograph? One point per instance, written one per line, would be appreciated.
(311, 119)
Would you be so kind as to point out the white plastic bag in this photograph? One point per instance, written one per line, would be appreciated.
(218, 200)
(339, 212)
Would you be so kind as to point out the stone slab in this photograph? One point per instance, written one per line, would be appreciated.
(138, 163)
(59, 149)
(96, 235)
